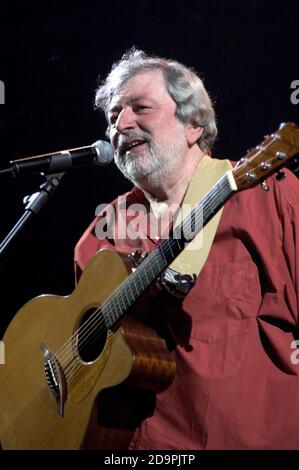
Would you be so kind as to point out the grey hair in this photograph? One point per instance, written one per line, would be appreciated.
(193, 104)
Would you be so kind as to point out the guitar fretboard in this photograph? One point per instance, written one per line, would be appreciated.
(160, 258)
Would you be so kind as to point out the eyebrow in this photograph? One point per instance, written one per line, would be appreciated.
(131, 100)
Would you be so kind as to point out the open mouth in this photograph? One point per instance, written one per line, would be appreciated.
(129, 146)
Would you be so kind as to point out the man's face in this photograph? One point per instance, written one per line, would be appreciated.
(147, 137)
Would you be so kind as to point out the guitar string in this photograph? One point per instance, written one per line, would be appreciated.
(150, 265)
(75, 369)
(155, 274)
(101, 319)
(97, 321)
(79, 364)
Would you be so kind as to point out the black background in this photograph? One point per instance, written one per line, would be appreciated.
(51, 56)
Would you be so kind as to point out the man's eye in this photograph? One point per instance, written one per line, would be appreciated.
(140, 107)
(113, 118)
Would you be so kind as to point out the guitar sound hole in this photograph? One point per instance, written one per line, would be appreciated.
(92, 335)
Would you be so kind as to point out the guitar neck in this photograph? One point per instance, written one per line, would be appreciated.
(160, 258)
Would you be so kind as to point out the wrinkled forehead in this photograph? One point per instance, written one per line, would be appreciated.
(148, 84)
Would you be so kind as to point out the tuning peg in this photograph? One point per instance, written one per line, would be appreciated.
(265, 166)
(275, 136)
(250, 175)
(280, 155)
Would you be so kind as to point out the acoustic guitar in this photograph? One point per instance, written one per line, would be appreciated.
(61, 352)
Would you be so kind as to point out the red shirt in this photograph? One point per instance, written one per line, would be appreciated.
(236, 385)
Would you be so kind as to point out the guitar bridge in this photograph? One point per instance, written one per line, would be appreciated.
(55, 378)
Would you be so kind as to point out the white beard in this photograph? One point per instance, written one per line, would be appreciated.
(154, 163)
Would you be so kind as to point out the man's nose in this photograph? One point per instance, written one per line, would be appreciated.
(126, 120)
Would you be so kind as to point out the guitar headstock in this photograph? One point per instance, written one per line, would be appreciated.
(268, 157)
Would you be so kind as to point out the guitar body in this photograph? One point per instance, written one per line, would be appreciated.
(29, 415)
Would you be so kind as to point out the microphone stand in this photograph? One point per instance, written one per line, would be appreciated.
(34, 203)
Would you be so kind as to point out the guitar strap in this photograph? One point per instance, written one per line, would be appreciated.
(192, 259)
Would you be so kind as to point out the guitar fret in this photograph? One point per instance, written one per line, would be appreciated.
(210, 204)
(107, 317)
(161, 252)
(152, 269)
(118, 305)
(140, 278)
(169, 245)
(130, 292)
(138, 282)
(125, 292)
(145, 275)
(159, 256)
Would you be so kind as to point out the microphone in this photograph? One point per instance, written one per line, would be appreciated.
(99, 153)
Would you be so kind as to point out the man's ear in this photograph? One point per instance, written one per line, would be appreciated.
(193, 132)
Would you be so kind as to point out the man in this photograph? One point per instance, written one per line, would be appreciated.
(236, 385)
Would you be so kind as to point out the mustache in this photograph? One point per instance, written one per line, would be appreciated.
(127, 137)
